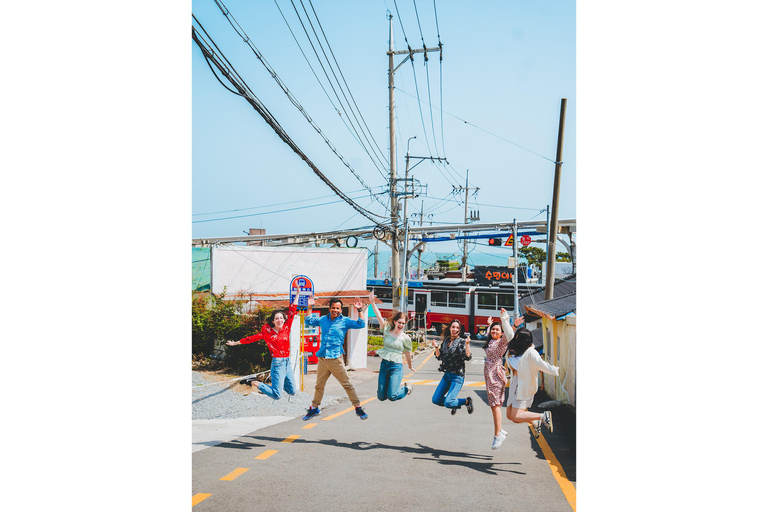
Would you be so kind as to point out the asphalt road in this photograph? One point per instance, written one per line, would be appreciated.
(408, 455)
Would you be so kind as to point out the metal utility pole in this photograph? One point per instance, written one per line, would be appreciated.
(404, 282)
(465, 188)
(376, 261)
(421, 223)
(549, 290)
(395, 258)
(514, 248)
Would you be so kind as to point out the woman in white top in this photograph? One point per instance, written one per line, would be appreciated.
(396, 343)
(525, 364)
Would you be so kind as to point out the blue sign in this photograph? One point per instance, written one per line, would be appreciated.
(303, 286)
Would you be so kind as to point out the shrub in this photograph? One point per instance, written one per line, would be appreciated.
(215, 318)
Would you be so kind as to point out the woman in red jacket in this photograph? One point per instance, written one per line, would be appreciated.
(276, 334)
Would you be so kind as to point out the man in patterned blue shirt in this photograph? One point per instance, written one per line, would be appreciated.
(334, 327)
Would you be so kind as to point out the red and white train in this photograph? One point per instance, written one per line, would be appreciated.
(433, 304)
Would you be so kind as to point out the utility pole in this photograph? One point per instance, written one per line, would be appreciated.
(404, 282)
(514, 247)
(465, 188)
(376, 261)
(395, 258)
(549, 290)
(421, 223)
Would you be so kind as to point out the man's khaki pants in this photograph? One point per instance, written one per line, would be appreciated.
(327, 367)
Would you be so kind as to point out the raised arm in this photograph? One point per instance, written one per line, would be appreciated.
(376, 310)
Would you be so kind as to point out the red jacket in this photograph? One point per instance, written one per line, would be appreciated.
(279, 344)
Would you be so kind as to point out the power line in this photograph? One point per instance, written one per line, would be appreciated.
(274, 211)
(482, 129)
(244, 91)
(274, 204)
(241, 32)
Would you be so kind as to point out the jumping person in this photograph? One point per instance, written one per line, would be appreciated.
(524, 382)
(276, 334)
(396, 343)
(452, 353)
(495, 377)
(334, 328)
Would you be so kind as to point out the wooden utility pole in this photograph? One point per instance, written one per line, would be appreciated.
(549, 290)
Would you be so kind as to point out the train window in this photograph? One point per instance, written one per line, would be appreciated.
(457, 299)
(410, 295)
(486, 301)
(384, 293)
(506, 300)
(439, 298)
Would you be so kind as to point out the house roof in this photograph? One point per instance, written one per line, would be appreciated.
(322, 299)
(562, 287)
(554, 308)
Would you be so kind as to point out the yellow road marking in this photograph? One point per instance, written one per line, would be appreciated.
(290, 439)
(310, 425)
(197, 498)
(557, 470)
(475, 384)
(265, 454)
(347, 410)
(236, 473)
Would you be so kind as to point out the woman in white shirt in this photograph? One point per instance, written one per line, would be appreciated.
(525, 364)
(396, 343)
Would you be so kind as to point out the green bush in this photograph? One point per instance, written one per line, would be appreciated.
(214, 318)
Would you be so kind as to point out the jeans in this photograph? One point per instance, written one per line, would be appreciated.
(447, 390)
(390, 377)
(282, 376)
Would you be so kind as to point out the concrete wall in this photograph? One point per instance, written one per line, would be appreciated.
(255, 269)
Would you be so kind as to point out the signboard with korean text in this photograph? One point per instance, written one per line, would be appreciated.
(303, 286)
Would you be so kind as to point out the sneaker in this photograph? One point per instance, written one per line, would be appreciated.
(497, 440)
(470, 407)
(453, 411)
(537, 429)
(360, 412)
(503, 432)
(548, 420)
(311, 412)
(408, 389)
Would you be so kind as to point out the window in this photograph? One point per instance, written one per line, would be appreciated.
(384, 293)
(457, 299)
(410, 295)
(507, 301)
(486, 301)
(439, 298)
(548, 334)
(558, 349)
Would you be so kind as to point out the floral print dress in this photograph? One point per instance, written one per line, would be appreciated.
(495, 376)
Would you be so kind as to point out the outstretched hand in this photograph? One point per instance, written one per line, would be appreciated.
(310, 301)
(503, 311)
(232, 343)
(490, 320)
(358, 303)
(519, 321)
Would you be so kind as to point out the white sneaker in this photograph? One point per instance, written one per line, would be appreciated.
(503, 432)
(497, 440)
(548, 420)
(537, 429)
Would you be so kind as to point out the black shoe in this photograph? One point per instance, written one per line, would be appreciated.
(312, 411)
(360, 412)
(453, 411)
(470, 407)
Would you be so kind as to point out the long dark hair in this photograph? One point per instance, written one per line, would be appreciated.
(447, 330)
(520, 342)
(488, 341)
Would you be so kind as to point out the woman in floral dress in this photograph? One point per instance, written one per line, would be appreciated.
(495, 377)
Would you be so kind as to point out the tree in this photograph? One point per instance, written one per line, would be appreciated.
(534, 256)
(563, 256)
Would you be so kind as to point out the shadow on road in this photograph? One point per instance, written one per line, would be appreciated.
(467, 460)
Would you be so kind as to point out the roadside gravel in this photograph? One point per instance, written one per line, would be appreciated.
(213, 400)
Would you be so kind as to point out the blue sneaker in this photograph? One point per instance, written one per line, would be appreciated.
(311, 412)
(360, 412)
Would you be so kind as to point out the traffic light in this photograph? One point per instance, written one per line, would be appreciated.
(494, 241)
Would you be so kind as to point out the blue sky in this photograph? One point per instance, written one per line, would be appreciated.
(505, 68)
